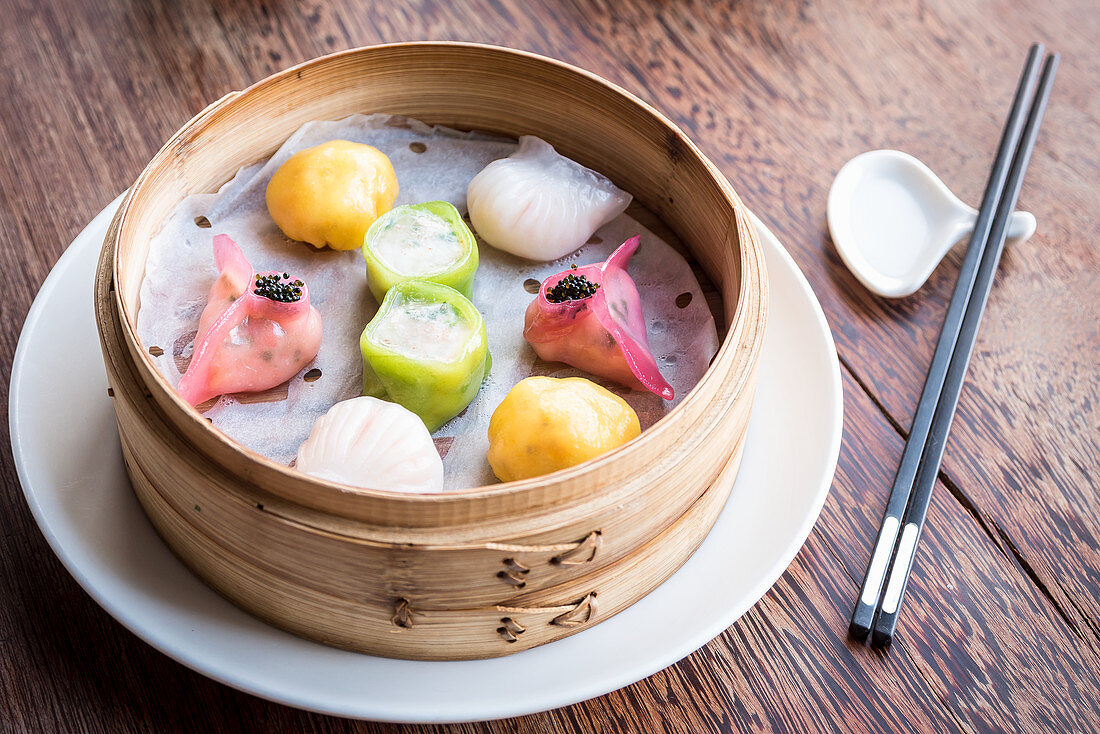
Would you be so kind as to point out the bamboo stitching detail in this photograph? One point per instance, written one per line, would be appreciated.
(583, 613)
(402, 614)
(510, 629)
(590, 545)
(513, 573)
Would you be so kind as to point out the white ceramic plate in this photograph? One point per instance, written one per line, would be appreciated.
(67, 453)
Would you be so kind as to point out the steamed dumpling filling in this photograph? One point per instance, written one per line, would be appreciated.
(422, 329)
(427, 241)
(416, 243)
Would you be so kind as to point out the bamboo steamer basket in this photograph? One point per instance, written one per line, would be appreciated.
(476, 573)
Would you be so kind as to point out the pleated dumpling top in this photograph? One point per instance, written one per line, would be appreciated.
(540, 205)
(372, 443)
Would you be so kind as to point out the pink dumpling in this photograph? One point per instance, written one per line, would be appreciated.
(603, 333)
(247, 341)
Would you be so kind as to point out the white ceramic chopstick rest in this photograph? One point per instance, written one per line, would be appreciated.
(892, 221)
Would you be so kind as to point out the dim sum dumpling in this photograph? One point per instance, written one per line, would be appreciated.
(257, 331)
(426, 349)
(591, 318)
(540, 205)
(372, 443)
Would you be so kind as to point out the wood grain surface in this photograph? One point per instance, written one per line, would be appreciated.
(1001, 627)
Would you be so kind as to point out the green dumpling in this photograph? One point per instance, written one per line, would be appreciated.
(426, 350)
(426, 241)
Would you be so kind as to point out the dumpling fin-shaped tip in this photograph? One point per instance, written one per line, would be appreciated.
(618, 306)
(192, 387)
(229, 258)
(187, 390)
(621, 257)
(641, 362)
(663, 388)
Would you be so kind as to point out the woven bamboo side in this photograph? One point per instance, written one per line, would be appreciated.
(402, 627)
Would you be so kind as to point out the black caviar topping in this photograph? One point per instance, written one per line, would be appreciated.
(571, 288)
(271, 286)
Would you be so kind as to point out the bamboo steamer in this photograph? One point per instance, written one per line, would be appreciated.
(476, 573)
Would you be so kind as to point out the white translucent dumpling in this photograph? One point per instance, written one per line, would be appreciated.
(540, 205)
(372, 443)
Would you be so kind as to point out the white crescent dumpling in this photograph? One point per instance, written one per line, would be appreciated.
(538, 204)
(375, 444)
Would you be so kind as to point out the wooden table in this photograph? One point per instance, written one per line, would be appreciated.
(1001, 628)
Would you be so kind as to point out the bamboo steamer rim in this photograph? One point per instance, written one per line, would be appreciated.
(750, 311)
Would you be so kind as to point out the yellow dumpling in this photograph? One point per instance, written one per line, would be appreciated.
(332, 193)
(545, 424)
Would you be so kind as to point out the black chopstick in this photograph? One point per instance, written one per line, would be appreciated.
(871, 591)
(913, 523)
